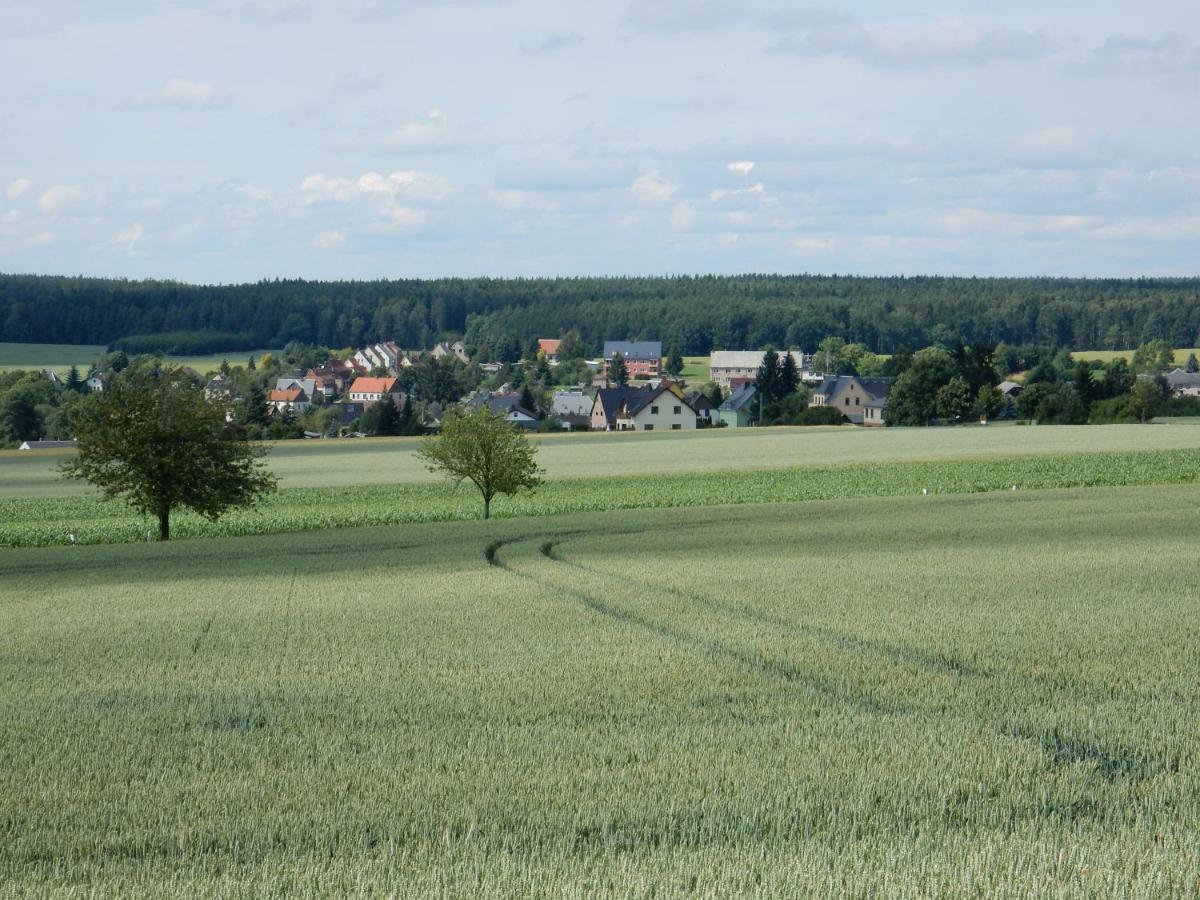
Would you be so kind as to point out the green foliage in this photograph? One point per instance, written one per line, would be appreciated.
(153, 439)
(383, 418)
(884, 315)
(1145, 398)
(953, 400)
(913, 399)
(1153, 356)
(675, 365)
(1193, 364)
(616, 372)
(485, 450)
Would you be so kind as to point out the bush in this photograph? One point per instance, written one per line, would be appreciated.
(184, 343)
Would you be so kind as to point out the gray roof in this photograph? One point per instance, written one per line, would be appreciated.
(611, 398)
(876, 387)
(1179, 378)
(48, 445)
(633, 349)
(739, 399)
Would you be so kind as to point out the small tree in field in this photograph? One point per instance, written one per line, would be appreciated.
(485, 450)
(154, 438)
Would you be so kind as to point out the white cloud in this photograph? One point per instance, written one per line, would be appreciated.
(179, 93)
(402, 219)
(128, 236)
(59, 199)
(17, 187)
(1174, 58)
(650, 190)
(412, 186)
(329, 240)
(945, 44)
(424, 135)
(41, 239)
(742, 167)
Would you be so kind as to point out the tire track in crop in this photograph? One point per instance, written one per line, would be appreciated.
(923, 659)
(774, 668)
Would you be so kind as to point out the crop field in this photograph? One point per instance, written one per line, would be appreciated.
(1181, 354)
(60, 357)
(973, 695)
(341, 463)
(90, 520)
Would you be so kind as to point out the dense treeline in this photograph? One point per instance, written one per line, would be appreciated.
(694, 314)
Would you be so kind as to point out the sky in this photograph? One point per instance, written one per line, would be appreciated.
(234, 140)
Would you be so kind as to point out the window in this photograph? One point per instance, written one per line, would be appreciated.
(856, 403)
(654, 410)
(649, 428)
(676, 427)
(678, 410)
(847, 401)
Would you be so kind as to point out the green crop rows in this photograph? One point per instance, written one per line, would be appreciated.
(45, 522)
(959, 695)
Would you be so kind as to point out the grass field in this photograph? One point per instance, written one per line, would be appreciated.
(339, 463)
(695, 370)
(986, 695)
(1181, 355)
(60, 357)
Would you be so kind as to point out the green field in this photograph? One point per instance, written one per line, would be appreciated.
(60, 357)
(340, 463)
(986, 695)
(1181, 355)
(695, 370)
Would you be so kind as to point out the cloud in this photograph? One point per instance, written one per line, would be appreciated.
(565, 175)
(742, 167)
(650, 190)
(59, 199)
(129, 236)
(1174, 58)
(270, 12)
(426, 135)
(179, 93)
(947, 44)
(41, 239)
(17, 187)
(329, 240)
(400, 220)
(412, 186)
(1059, 147)
(553, 42)
(677, 16)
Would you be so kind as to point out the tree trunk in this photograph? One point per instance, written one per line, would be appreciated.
(164, 525)
(487, 506)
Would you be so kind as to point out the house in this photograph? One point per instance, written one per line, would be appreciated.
(549, 347)
(725, 365)
(1184, 384)
(457, 350)
(849, 394)
(372, 390)
(218, 387)
(659, 407)
(643, 359)
(48, 445)
(292, 399)
(308, 385)
(571, 403)
(740, 408)
(96, 381)
(509, 405)
(1010, 389)
(706, 413)
(873, 412)
(325, 383)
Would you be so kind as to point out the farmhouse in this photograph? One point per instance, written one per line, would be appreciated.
(549, 348)
(849, 394)
(457, 350)
(873, 412)
(643, 359)
(725, 365)
(372, 390)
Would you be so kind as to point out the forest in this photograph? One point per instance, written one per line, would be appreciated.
(693, 314)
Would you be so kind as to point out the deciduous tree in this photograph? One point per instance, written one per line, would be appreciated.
(484, 449)
(153, 438)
